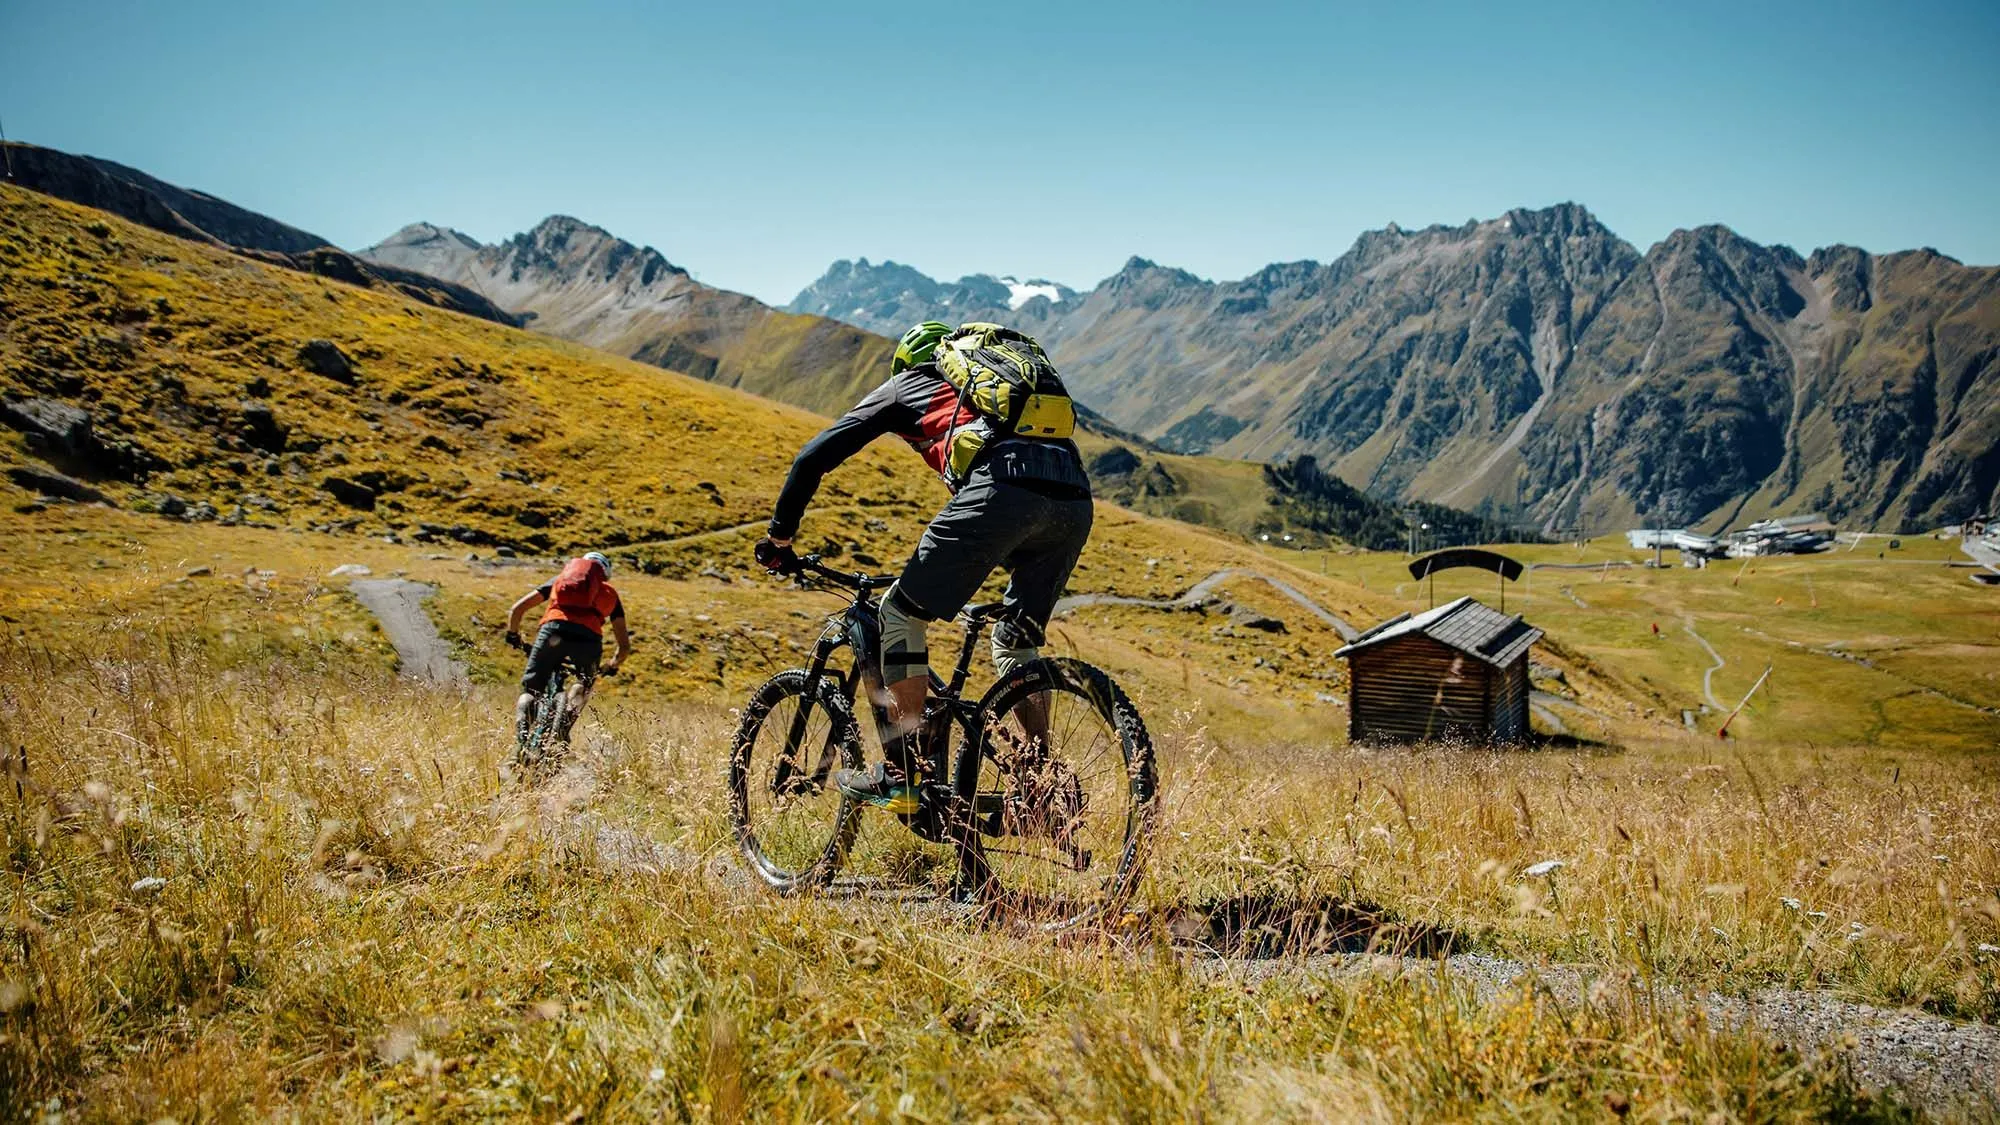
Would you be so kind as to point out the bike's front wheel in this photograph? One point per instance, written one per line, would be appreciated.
(792, 826)
(1060, 782)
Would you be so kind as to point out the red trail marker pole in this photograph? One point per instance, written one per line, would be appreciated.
(1723, 730)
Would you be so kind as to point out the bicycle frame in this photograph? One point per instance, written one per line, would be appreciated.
(1031, 793)
(552, 708)
(859, 627)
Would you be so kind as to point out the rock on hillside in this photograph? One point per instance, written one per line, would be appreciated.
(200, 217)
(889, 297)
(579, 282)
(1539, 368)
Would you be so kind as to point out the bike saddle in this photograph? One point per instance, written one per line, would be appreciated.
(984, 611)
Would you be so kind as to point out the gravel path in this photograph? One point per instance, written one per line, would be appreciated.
(1207, 586)
(734, 529)
(1941, 1065)
(1708, 674)
(420, 653)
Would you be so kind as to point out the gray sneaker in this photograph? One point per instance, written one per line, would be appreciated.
(882, 785)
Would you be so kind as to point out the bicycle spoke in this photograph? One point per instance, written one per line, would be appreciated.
(791, 826)
(1065, 805)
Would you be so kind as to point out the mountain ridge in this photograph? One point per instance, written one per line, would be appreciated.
(575, 280)
(199, 217)
(1537, 367)
(888, 297)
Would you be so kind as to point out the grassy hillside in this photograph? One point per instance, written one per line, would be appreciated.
(194, 368)
(1295, 502)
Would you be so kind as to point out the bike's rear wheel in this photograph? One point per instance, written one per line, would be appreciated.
(532, 752)
(792, 826)
(1062, 791)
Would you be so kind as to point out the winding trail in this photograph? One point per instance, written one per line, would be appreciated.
(1207, 586)
(733, 529)
(420, 653)
(1708, 674)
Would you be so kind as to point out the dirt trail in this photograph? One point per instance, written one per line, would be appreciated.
(1945, 1066)
(1207, 586)
(420, 653)
(1708, 674)
(725, 532)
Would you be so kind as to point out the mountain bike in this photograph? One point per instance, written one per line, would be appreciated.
(1047, 797)
(551, 716)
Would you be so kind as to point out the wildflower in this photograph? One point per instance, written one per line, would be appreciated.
(1988, 947)
(1792, 904)
(1545, 867)
(148, 885)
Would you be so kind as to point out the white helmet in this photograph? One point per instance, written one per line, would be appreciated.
(599, 558)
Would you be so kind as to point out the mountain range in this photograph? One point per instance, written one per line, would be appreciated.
(570, 279)
(1536, 367)
(1533, 368)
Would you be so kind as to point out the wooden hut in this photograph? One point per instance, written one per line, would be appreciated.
(1458, 671)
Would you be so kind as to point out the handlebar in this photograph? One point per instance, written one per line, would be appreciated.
(811, 564)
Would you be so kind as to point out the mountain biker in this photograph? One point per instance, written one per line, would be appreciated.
(1024, 504)
(581, 600)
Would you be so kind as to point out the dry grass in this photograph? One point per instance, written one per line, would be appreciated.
(306, 877)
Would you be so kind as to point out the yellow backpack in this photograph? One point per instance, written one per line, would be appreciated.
(1008, 381)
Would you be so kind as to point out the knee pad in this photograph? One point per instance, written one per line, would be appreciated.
(905, 647)
(1013, 646)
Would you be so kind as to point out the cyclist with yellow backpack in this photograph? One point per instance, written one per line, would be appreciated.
(987, 411)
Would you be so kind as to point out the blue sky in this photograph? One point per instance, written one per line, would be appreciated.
(753, 143)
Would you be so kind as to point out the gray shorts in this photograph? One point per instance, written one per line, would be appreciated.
(1035, 535)
(557, 643)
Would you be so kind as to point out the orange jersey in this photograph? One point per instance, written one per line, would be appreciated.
(607, 608)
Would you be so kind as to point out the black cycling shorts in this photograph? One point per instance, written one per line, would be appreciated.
(557, 642)
(1036, 534)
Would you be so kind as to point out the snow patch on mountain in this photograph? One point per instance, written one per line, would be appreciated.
(1021, 292)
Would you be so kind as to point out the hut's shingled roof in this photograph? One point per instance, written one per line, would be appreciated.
(1466, 625)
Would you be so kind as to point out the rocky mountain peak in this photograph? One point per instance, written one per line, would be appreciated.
(573, 249)
(427, 237)
(1564, 220)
